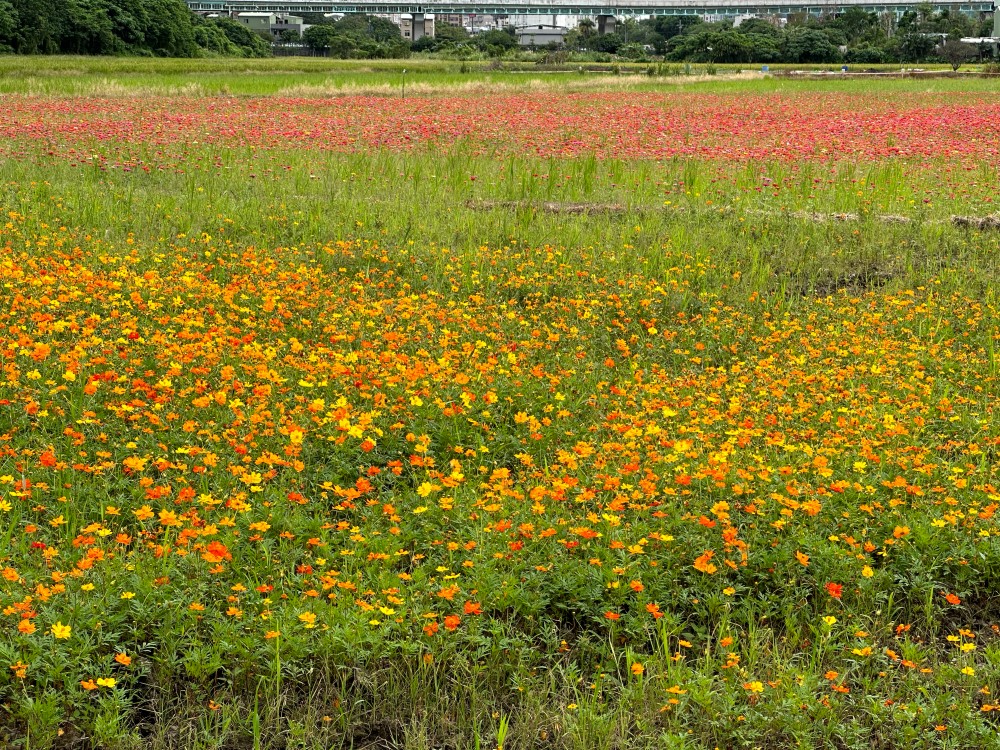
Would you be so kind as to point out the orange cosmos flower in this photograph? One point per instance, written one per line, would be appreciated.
(703, 562)
(216, 552)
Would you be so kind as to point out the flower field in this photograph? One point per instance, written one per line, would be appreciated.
(600, 421)
(731, 126)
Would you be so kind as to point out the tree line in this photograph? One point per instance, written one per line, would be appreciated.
(351, 36)
(165, 28)
(853, 36)
(371, 37)
(168, 28)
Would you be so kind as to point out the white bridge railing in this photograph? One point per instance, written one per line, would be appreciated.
(580, 7)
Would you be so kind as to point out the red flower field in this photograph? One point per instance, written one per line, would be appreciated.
(732, 127)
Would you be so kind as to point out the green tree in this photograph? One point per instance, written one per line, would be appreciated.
(915, 46)
(130, 22)
(249, 44)
(448, 33)
(8, 26)
(668, 27)
(212, 40)
(632, 51)
(609, 43)
(87, 30)
(759, 27)
(361, 26)
(115, 27)
(867, 54)
(710, 43)
(40, 26)
(907, 21)
(856, 23)
(345, 47)
(384, 31)
(497, 39)
(581, 37)
(167, 28)
(985, 25)
(318, 37)
(924, 11)
(424, 44)
(804, 45)
(764, 48)
(955, 53)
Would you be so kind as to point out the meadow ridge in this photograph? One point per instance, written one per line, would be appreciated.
(662, 417)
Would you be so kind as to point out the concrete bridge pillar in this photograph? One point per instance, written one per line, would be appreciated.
(419, 29)
(606, 25)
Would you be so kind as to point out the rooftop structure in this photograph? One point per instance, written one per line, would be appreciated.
(540, 34)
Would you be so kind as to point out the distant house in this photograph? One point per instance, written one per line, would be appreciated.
(540, 35)
(270, 24)
(412, 31)
(257, 21)
(285, 22)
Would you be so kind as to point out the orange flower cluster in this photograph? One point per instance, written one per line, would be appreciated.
(289, 441)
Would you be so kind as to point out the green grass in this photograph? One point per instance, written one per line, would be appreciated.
(90, 76)
(428, 198)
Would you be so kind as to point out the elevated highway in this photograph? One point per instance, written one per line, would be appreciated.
(608, 8)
